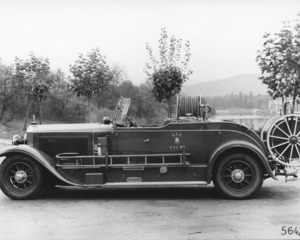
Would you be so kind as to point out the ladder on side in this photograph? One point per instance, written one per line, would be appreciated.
(73, 160)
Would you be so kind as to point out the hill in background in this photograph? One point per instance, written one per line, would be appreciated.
(245, 83)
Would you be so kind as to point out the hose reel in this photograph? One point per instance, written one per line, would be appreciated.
(281, 135)
(188, 106)
(192, 107)
(283, 140)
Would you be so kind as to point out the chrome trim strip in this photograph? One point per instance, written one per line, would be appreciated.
(131, 167)
(123, 156)
(136, 168)
(151, 130)
(61, 166)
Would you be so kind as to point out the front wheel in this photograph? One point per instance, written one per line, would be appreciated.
(238, 176)
(20, 177)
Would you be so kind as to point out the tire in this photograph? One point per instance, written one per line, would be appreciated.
(20, 177)
(238, 176)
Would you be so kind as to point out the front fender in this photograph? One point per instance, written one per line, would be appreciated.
(240, 144)
(45, 160)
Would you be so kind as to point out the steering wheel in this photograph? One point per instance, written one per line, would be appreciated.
(132, 122)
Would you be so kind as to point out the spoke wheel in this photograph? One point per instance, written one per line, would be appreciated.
(20, 177)
(283, 138)
(266, 127)
(238, 176)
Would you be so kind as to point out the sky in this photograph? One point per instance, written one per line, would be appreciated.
(224, 35)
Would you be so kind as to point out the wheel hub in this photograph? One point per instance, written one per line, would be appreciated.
(237, 175)
(293, 140)
(20, 176)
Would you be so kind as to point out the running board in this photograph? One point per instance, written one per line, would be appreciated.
(118, 184)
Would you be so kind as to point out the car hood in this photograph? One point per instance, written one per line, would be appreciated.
(81, 127)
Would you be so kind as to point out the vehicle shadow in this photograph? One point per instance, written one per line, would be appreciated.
(130, 193)
(136, 193)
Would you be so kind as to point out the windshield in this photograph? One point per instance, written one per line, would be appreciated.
(122, 110)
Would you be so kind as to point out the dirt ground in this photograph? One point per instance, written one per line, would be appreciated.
(153, 213)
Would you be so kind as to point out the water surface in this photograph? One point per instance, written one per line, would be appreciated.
(251, 120)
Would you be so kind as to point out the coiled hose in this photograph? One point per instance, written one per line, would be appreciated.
(188, 105)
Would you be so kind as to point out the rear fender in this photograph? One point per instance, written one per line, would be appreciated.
(45, 160)
(231, 145)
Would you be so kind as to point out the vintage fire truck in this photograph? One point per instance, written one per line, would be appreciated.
(187, 150)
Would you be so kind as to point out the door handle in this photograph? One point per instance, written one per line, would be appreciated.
(146, 140)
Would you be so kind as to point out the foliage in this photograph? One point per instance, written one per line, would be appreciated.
(167, 82)
(59, 96)
(91, 75)
(61, 105)
(107, 98)
(118, 75)
(279, 61)
(25, 92)
(167, 75)
(6, 89)
(32, 76)
(32, 80)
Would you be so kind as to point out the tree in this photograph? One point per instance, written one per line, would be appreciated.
(279, 61)
(118, 75)
(148, 108)
(32, 78)
(59, 96)
(91, 75)
(167, 75)
(107, 98)
(7, 91)
(11, 98)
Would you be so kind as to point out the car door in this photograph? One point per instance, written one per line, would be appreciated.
(133, 141)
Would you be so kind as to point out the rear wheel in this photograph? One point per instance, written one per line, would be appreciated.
(20, 177)
(238, 176)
